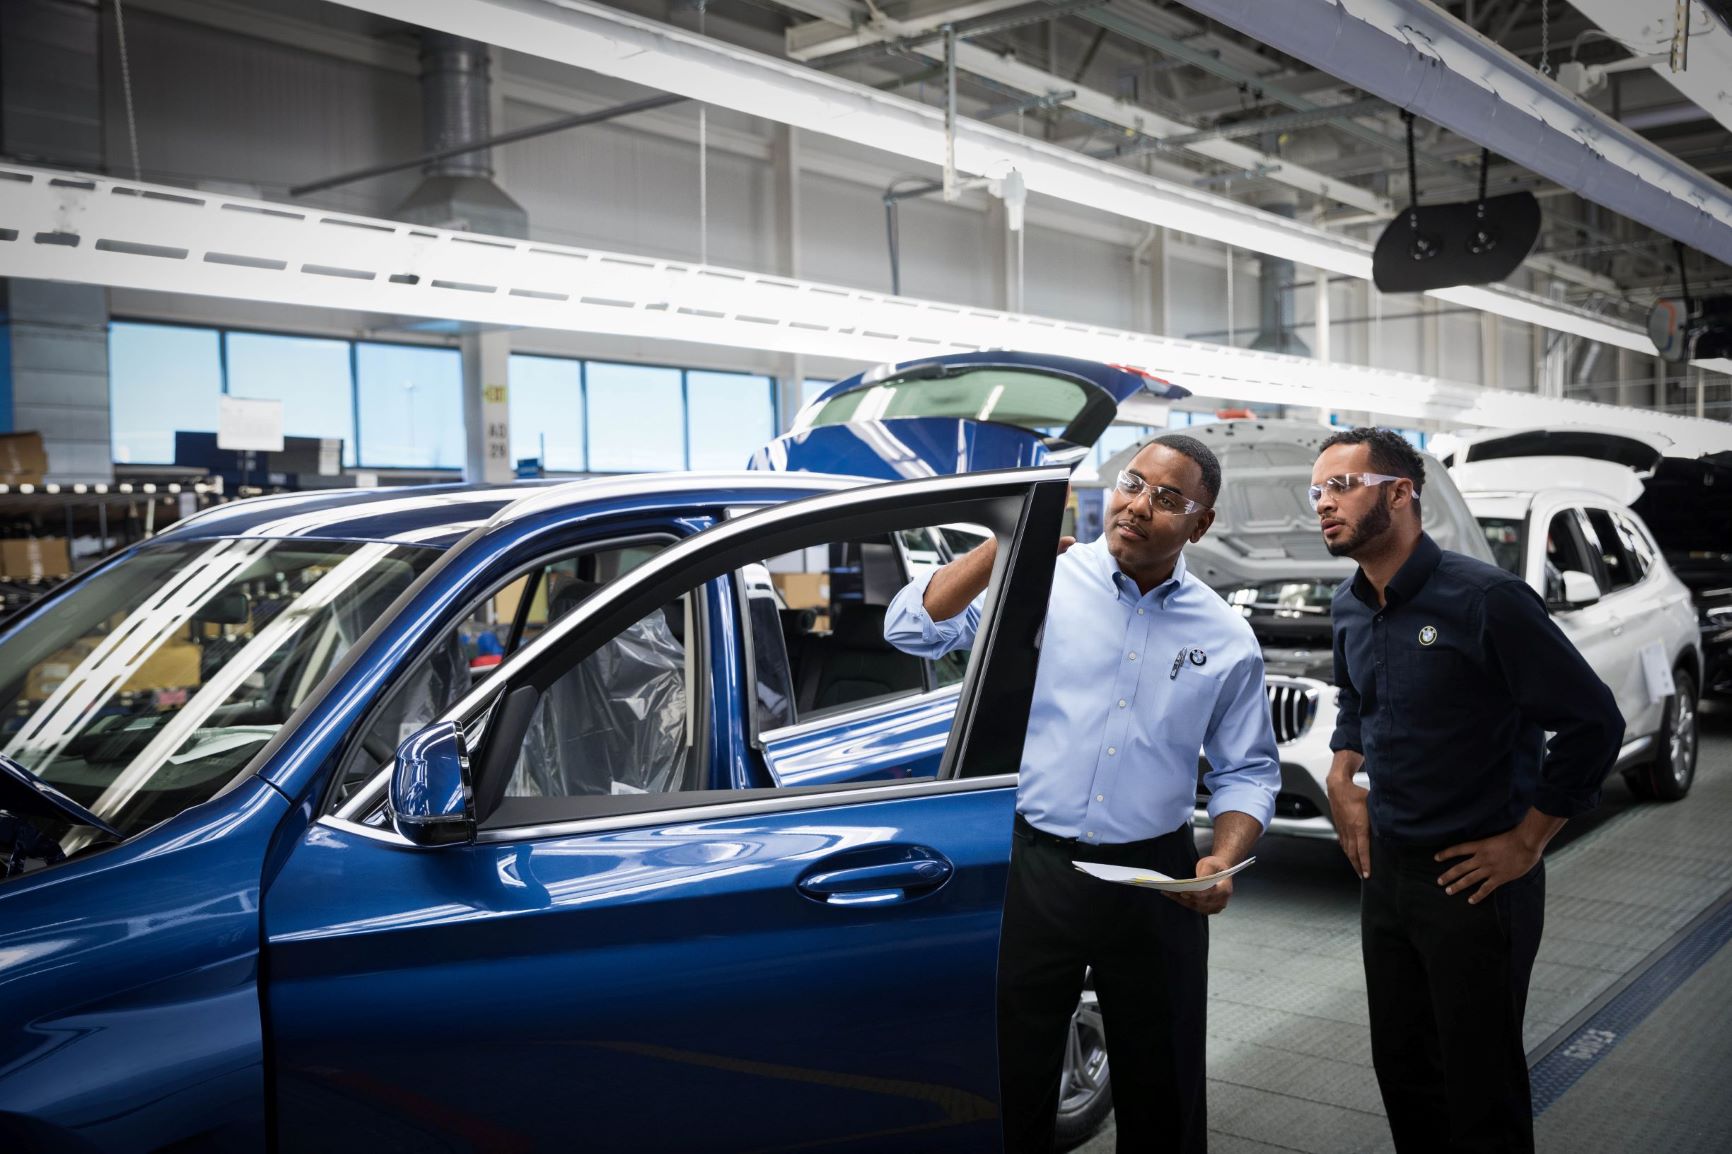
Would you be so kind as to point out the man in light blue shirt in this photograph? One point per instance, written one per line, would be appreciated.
(1141, 665)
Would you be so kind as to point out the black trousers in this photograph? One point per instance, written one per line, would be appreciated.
(1150, 959)
(1448, 985)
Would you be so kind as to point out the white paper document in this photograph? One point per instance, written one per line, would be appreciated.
(1154, 880)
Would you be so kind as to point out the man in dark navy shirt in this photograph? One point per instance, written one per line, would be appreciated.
(1450, 673)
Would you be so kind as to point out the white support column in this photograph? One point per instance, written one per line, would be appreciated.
(1490, 351)
(785, 148)
(1626, 368)
(1320, 346)
(1149, 282)
(486, 413)
(1430, 340)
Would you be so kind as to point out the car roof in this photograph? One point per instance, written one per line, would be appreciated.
(1483, 502)
(441, 515)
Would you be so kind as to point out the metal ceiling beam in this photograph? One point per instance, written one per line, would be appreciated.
(1645, 27)
(842, 26)
(1007, 71)
(602, 39)
(1415, 55)
(126, 234)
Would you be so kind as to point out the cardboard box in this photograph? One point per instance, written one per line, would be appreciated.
(46, 676)
(803, 590)
(173, 666)
(23, 460)
(35, 558)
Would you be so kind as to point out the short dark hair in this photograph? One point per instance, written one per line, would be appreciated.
(1390, 453)
(1200, 453)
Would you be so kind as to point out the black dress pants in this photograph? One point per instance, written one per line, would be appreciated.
(1150, 959)
(1448, 984)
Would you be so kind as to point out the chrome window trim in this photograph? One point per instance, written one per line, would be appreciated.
(802, 728)
(787, 803)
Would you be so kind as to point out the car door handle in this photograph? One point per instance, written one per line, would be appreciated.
(877, 876)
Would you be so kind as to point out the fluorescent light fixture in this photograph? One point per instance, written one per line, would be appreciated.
(236, 248)
(614, 43)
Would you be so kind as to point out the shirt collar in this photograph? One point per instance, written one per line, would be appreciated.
(1408, 580)
(1122, 582)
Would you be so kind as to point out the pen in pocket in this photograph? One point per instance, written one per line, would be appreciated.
(1178, 662)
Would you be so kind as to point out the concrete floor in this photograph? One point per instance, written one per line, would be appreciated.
(1289, 1053)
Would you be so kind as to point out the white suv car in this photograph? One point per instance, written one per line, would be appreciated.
(1611, 592)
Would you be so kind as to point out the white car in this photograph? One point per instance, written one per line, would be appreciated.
(1610, 590)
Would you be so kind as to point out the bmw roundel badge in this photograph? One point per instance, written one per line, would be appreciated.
(1198, 657)
(1428, 635)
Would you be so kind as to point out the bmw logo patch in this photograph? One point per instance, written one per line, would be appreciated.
(1198, 657)
(1427, 635)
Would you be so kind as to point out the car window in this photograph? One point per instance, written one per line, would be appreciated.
(147, 687)
(1622, 568)
(1026, 398)
(827, 653)
(621, 720)
(502, 622)
(1507, 538)
(1637, 547)
(1566, 551)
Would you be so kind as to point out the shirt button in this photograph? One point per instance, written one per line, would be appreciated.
(1100, 797)
(1139, 613)
(1111, 750)
(1133, 657)
(1091, 833)
(1121, 703)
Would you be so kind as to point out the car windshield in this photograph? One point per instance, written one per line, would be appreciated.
(146, 688)
(1504, 535)
(1032, 401)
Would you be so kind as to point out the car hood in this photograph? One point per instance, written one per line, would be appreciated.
(1266, 530)
(1531, 474)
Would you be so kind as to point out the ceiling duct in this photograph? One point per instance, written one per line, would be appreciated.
(458, 191)
(1417, 56)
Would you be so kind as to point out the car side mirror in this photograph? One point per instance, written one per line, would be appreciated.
(432, 793)
(1579, 589)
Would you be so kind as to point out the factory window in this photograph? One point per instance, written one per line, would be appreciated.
(411, 407)
(161, 378)
(635, 418)
(310, 376)
(728, 415)
(547, 419)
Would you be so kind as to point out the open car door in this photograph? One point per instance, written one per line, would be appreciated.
(555, 924)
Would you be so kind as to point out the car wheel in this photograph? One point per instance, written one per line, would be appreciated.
(1085, 1095)
(1669, 776)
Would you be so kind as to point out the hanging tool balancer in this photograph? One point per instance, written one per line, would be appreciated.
(1469, 242)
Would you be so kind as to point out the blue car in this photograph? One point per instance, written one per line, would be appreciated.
(589, 814)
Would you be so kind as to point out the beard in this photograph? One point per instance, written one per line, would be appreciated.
(1368, 528)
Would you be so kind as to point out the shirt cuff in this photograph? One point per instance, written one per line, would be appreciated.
(908, 626)
(1238, 797)
(1554, 802)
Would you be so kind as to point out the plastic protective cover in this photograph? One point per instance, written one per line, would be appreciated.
(615, 724)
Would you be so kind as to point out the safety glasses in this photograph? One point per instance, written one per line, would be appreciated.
(1346, 483)
(1161, 499)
